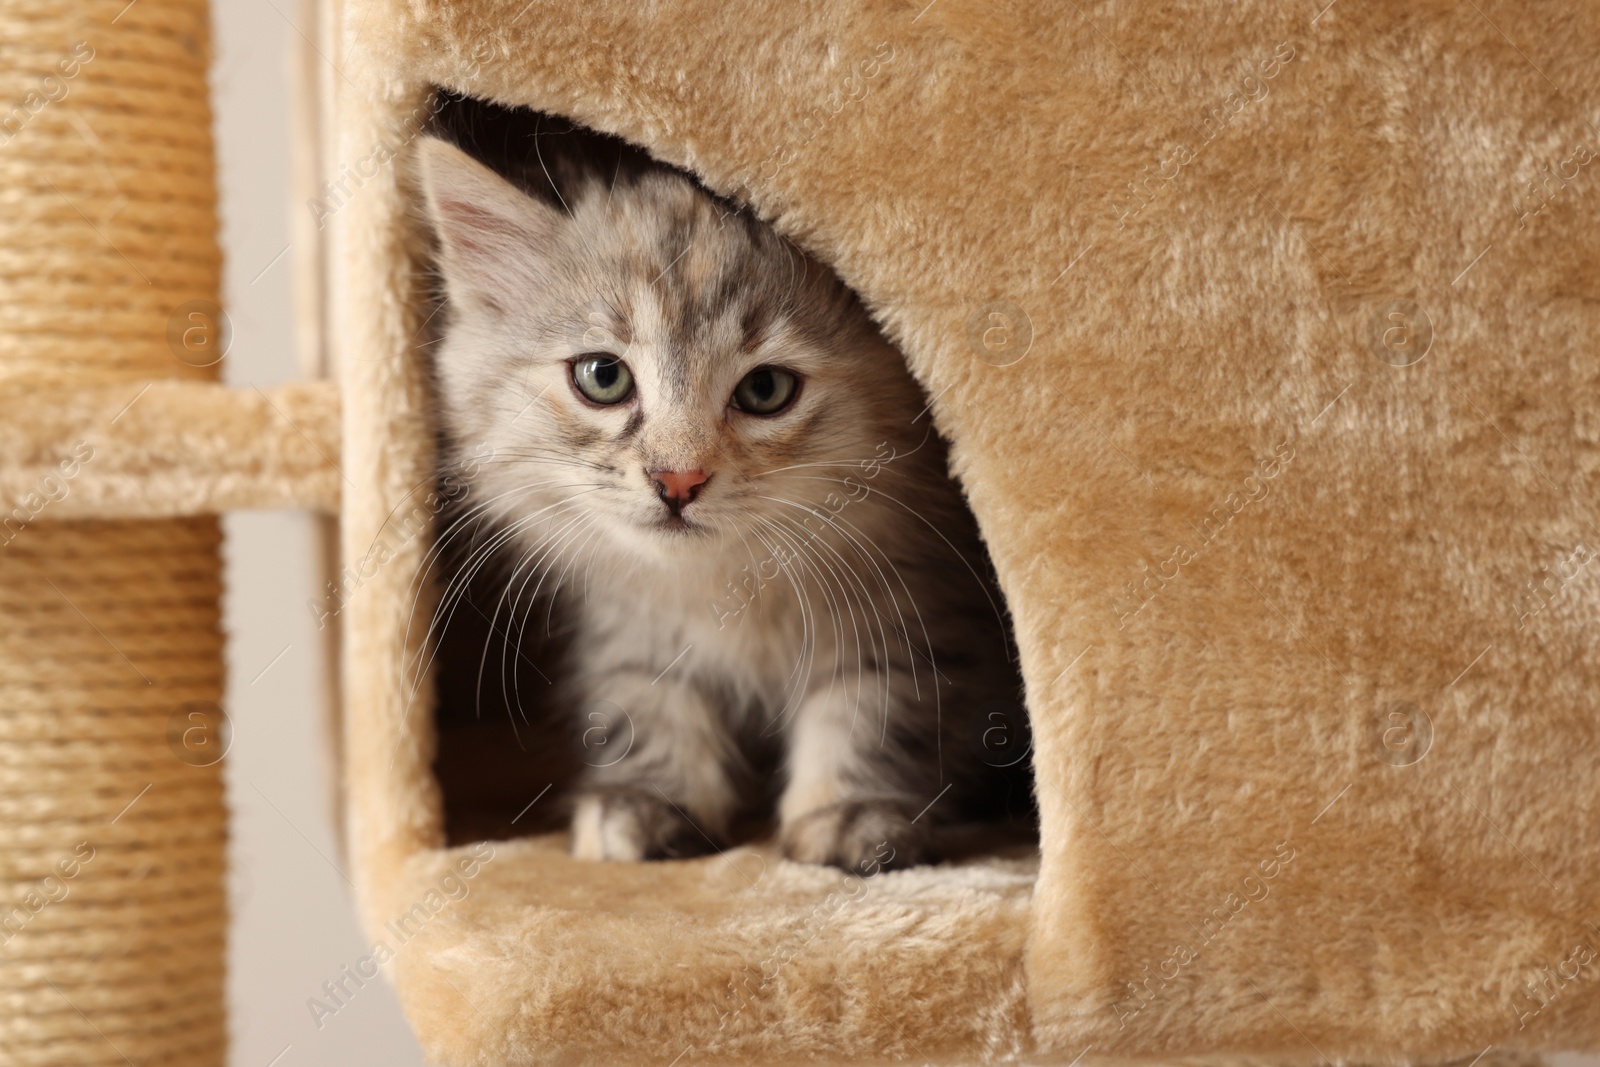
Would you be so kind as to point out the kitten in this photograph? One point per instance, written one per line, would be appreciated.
(699, 436)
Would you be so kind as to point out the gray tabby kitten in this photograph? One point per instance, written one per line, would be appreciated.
(698, 435)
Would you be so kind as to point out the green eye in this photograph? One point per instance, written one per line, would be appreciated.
(765, 391)
(603, 379)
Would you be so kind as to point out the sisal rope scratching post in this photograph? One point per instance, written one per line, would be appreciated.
(111, 837)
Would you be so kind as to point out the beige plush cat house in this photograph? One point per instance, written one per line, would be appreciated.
(1265, 336)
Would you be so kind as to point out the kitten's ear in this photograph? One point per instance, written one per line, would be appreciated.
(494, 238)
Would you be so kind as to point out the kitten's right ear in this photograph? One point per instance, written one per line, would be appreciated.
(494, 238)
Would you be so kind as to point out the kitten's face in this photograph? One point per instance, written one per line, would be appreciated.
(649, 369)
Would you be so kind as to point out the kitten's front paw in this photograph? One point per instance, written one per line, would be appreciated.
(627, 824)
(864, 836)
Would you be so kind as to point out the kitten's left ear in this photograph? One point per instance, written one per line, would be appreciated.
(494, 238)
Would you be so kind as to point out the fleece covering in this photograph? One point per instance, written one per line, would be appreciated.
(1264, 334)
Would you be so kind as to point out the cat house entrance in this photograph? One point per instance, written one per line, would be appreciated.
(704, 576)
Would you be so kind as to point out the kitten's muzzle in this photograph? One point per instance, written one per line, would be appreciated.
(678, 489)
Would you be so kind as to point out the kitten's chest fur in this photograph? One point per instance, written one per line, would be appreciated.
(712, 627)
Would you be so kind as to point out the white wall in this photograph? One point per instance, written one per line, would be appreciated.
(293, 923)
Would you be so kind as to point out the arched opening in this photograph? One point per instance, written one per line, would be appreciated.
(516, 734)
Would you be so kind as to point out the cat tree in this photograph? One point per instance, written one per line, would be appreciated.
(1264, 338)
(116, 449)
(1276, 402)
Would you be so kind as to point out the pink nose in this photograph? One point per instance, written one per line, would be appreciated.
(678, 488)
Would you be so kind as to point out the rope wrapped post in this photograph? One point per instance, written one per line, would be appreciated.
(112, 823)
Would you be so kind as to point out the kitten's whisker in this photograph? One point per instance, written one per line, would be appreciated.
(583, 525)
(479, 556)
(982, 584)
(447, 609)
(807, 650)
(458, 584)
(540, 554)
(456, 588)
(570, 560)
(594, 550)
(999, 616)
(841, 612)
(546, 550)
(860, 540)
(431, 478)
(869, 613)
(862, 595)
(454, 593)
(883, 464)
(466, 523)
(802, 601)
(931, 655)
(506, 454)
(805, 656)
(570, 557)
(903, 628)
(885, 467)
(866, 557)
(538, 151)
(456, 524)
(612, 188)
(755, 565)
(540, 584)
(800, 588)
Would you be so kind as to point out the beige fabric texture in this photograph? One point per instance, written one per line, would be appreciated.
(170, 448)
(1264, 334)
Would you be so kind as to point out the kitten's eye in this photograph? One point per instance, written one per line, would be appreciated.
(603, 379)
(765, 391)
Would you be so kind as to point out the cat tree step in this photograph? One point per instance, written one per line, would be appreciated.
(164, 449)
